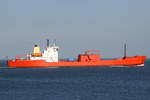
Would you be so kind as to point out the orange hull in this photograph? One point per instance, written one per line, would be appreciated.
(128, 61)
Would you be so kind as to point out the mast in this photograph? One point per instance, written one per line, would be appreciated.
(125, 51)
(47, 42)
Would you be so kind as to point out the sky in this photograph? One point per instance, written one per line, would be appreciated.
(77, 25)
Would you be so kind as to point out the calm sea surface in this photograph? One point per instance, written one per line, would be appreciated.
(75, 83)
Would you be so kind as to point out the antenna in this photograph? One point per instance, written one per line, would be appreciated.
(55, 42)
(125, 50)
(47, 42)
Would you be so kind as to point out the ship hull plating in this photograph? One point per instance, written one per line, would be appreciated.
(124, 62)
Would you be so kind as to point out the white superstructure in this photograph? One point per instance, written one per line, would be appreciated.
(49, 55)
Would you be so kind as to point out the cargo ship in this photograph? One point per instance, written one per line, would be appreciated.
(90, 58)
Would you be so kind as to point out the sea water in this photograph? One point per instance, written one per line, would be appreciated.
(90, 83)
